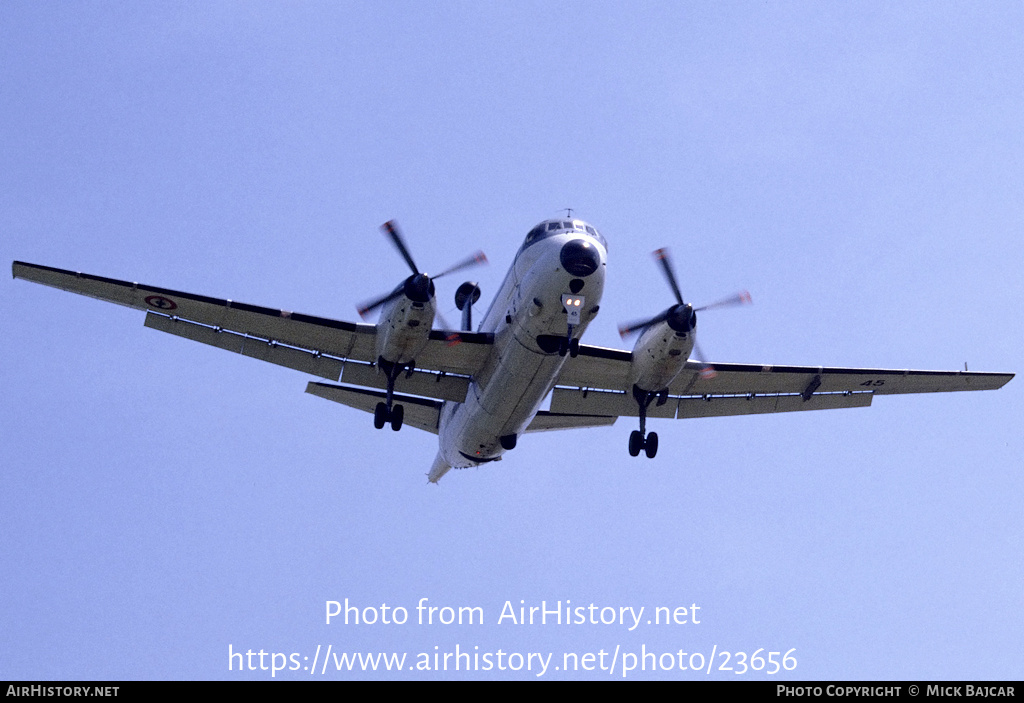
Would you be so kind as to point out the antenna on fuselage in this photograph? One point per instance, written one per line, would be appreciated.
(568, 212)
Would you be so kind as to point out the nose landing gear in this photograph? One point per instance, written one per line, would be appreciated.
(573, 305)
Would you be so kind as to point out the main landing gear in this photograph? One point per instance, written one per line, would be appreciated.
(386, 412)
(382, 415)
(639, 439)
(649, 444)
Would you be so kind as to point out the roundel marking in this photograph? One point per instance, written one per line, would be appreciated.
(161, 303)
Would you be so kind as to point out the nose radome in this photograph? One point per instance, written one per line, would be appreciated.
(580, 258)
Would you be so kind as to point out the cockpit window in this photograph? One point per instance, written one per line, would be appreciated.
(535, 234)
(547, 229)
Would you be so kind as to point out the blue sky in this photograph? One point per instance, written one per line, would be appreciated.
(858, 168)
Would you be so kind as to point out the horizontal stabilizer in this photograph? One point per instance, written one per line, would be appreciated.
(545, 421)
(419, 412)
(431, 385)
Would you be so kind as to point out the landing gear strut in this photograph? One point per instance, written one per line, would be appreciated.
(386, 412)
(639, 439)
(573, 305)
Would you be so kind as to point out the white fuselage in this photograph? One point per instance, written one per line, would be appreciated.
(526, 314)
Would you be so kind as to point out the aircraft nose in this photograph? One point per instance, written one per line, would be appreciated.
(580, 258)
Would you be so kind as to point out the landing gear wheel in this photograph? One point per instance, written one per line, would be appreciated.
(651, 445)
(380, 415)
(574, 348)
(397, 415)
(636, 443)
(563, 347)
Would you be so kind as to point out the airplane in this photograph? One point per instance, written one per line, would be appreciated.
(481, 391)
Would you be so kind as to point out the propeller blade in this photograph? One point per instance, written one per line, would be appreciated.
(371, 305)
(628, 328)
(391, 229)
(707, 371)
(420, 286)
(452, 337)
(471, 260)
(681, 322)
(741, 298)
(666, 265)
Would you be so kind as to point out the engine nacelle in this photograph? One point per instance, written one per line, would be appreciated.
(659, 355)
(404, 329)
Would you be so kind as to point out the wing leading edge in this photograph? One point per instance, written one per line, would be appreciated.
(319, 346)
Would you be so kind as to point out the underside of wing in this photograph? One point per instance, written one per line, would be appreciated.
(597, 383)
(731, 379)
(320, 346)
(597, 367)
(341, 339)
(575, 400)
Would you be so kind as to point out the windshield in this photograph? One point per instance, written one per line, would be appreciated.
(551, 227)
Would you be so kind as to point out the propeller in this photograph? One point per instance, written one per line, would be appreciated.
(418, 287)
(681, 317)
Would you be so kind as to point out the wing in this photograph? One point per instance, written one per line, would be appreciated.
(319, 346)
(597, 383)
